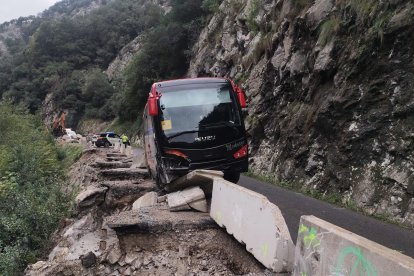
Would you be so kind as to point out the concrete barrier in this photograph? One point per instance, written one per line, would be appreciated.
(255, 222)
(200, 178)
(325, 249)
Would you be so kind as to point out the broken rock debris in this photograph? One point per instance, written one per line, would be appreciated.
(116, 234)
(190, 198)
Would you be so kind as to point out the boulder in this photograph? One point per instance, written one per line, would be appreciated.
(88, 260)
(92, 196)
(324, 59)
(319, 11)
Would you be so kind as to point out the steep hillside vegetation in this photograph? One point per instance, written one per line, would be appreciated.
(56, 61)
(330, 87)
(329, 82)
(32, 178)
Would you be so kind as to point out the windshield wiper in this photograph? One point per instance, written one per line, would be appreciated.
(181, 133)
(223, 123)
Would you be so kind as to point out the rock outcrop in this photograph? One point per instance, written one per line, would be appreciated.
(330, 89)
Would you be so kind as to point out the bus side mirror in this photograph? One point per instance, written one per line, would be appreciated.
(152, 107)
(242, 99)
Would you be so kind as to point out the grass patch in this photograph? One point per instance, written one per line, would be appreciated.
(363, 8)
(270, 179)
(328, 30)
(69, 154)
(130, 128)
(379, 26)
(333, 198)
(211, 5)
(251, 16)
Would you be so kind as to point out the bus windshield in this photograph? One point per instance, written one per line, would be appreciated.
(189, 109)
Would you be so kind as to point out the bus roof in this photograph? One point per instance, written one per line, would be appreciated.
(190, 81)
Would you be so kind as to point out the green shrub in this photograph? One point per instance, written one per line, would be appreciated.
(69, 154)
(363, 8)
(251, 16)
(31, 200)
(211, 5)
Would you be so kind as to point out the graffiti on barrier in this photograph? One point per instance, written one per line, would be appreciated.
(265, 249)
(310, 237)
(218, 217)
(360, 265)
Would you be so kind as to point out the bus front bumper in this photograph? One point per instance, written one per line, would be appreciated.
(223, 165)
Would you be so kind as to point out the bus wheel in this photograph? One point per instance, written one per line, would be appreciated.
(232, 176)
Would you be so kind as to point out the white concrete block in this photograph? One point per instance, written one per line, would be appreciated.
(200, 178)
(181, 200)
(147, 200)
(199, 205)
(326, 249)
(255, 222)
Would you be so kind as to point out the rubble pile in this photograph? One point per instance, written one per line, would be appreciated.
(125, 225)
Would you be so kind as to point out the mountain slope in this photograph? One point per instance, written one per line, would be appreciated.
(330, 88)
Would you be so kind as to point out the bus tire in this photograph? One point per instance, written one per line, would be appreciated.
(232, 176)
(158, 178)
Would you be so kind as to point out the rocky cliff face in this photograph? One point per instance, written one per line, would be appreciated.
(330, 87)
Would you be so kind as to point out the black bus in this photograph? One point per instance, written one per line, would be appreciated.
(194, 124)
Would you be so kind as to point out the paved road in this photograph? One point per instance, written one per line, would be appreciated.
(293, 205)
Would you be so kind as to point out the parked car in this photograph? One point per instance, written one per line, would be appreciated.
(107, 139)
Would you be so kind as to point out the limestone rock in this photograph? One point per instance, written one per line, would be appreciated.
(114, 255)
(324, 58)
(297, 63)
(92, 196)
(88, 260)
(318, 11)
(401, 19)
(131, 257)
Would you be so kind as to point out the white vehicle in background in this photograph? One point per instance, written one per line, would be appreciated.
(71, 134)
(107, 139)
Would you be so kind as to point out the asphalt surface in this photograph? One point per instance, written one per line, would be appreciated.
(294, 205)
